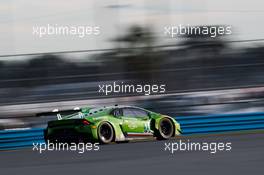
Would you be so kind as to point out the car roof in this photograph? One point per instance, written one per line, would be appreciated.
(107, 109)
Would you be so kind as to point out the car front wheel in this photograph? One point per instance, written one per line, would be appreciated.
(166, 129)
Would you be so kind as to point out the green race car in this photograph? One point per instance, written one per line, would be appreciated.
(111, 124)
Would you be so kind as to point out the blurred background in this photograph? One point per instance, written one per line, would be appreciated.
(203, 75)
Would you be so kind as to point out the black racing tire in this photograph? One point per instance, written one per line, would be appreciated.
(166, 129)
(105, 133)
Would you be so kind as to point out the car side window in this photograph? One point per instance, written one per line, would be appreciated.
(132, 112)
(140, 113)
(128, 112)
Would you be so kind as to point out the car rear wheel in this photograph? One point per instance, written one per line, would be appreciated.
(166, 129)
(105, 133)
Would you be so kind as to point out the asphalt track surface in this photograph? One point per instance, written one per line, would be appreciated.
(149, 157)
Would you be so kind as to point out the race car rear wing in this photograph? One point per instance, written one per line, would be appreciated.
(59, 113)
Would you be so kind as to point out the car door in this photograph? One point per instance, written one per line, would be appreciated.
(135, 121)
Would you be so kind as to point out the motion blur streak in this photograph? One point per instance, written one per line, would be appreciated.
(203, 75)
(197, 63)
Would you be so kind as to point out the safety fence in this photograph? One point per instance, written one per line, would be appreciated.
(15, 139)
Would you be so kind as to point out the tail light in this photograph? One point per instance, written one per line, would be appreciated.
(86, 122)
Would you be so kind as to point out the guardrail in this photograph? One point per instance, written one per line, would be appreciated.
(221, 123)
(15, 139)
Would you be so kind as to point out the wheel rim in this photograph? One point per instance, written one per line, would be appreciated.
(106, 133)
(166, 128)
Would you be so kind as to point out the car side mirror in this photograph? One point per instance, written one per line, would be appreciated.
(146, 118)
(149, 115)
(116, 115)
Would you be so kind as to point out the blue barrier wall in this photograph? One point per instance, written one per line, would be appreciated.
(14, 139)
(220, 123)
